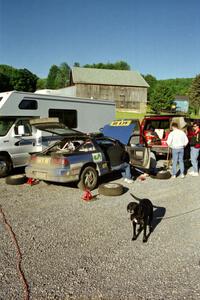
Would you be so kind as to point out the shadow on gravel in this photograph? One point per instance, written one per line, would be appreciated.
(158, 215)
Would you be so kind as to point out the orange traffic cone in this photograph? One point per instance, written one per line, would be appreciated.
(87, 196)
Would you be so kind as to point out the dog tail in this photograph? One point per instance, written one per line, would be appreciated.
(136, 198)
(139, 199)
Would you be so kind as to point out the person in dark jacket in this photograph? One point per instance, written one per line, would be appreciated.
(194, 149)
(119, 160)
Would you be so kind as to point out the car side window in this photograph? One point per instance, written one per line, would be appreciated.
(87, 146)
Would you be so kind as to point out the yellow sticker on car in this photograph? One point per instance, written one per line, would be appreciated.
(121, 123)
(97, 157)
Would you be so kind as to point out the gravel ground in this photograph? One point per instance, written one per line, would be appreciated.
(74, 249)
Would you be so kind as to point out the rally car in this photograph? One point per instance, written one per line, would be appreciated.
(79, 157)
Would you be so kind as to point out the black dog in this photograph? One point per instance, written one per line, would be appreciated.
(142, 214)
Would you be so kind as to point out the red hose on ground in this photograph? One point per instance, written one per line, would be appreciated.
(19, 255)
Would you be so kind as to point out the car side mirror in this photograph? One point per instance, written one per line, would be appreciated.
(21, 130)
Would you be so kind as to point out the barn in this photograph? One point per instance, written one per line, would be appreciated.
(127, 88)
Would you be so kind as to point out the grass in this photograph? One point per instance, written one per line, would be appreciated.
(128, 115)
(132, 115)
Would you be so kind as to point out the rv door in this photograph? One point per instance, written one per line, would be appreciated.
(24, 142)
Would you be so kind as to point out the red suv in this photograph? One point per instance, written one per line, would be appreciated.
(156, 128)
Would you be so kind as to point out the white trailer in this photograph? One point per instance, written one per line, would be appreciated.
(18, 138)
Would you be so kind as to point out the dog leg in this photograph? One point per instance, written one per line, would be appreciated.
(150, 221)
(145, 232)
(134, 232)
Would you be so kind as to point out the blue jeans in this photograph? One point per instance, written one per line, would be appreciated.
(125, 170)
(194, 153)
(177, 158)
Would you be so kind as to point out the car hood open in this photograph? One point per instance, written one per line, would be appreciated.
(53, 125)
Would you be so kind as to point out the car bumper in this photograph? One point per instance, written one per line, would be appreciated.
(57, 175)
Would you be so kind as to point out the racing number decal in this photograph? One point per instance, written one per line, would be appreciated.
(121, 123)
(97, 157)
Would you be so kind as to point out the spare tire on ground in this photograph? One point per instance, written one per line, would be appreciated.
(111, 189)
(16, 179)
(162, 175)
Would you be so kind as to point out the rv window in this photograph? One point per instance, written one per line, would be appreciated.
(66, 116)
(1, 98)
(28, 104)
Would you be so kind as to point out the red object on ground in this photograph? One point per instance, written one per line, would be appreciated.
(32, 181)
(87, 196)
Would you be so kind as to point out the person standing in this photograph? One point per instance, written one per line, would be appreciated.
(194, 149)
(177, 140)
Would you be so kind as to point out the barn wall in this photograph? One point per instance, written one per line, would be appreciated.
(130, 98)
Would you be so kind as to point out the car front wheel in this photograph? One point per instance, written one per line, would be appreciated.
(88, 179)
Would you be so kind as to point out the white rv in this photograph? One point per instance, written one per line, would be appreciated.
(18, 138)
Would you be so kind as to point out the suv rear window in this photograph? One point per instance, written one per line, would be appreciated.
(156, 124)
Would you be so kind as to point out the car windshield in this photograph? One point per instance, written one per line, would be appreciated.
(5, 125)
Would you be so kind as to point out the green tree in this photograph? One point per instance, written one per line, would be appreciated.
(51, 79)
(161, 98)
(152, 81)
(119, 65)
(62, 78)
(76, 64)
(194, 95)
(23, 80)
(180, 86)
(5, 83)
(41, 83)
(58, 77)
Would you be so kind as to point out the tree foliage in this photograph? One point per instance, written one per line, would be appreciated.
(152, 81)
(4, 83)
(17, 79)
(161, 98)
(180, 85)
(194, 94)
(58, 77)
(119, 65)
(23, 80)
(41, 83)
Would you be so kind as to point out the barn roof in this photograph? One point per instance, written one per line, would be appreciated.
(107, 77)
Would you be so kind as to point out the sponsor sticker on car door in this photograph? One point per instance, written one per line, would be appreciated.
(97, 157)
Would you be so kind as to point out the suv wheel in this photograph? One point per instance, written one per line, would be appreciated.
(5, 166)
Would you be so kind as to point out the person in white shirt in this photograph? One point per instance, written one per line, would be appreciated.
(177, 140)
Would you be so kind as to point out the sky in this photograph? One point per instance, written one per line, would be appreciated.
(156, 37)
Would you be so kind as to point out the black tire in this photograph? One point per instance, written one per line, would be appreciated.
(162, 175)
(88, 179)
(5, 166)
(16, 179)
(111, 189)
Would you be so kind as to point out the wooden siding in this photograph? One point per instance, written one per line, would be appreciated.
(131, 98)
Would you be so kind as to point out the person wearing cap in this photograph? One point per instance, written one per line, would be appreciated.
(177, 140)
(194, 149)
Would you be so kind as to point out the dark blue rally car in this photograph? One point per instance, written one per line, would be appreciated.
(81, 157)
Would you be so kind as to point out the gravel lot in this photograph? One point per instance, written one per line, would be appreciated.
(74, 249)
